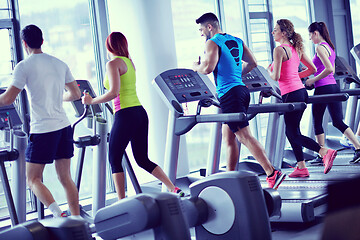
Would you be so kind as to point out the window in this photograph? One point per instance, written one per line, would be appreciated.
(189, 46)
(67, 35)
(300, 18)
(258, 6)
(355, 17)
(4, 9)
(260, 39)
(5, 57)
(5, 76)
(234, 19)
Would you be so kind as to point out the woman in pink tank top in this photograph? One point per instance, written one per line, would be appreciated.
(325, 83)
(284, 69)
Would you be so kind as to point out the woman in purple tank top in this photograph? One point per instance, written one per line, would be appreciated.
(325, 83)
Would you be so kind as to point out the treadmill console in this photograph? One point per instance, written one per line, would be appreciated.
(77, 104)
(355, 51)
(186, 85)
(178, 86)
(7, 111)
(257, 80)
(343, 70)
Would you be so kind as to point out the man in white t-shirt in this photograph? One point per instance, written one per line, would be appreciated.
(51, 137)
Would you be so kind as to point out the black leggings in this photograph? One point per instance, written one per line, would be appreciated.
(130, 125)
(292, 125)
(335, 110)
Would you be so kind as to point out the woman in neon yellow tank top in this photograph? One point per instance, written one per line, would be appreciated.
(130, 120)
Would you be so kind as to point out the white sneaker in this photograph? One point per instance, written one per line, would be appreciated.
(346, 143)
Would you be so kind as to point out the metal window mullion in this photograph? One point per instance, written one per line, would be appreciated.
(219, 6)
(99, 22)
(244, 9)
(100, 30)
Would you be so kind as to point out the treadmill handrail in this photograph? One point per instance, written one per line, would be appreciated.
(328, 98)
(186, 123)
(254, 109)
(351, 92)
(275, 107)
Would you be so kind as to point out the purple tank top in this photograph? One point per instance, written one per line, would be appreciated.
(329, 79)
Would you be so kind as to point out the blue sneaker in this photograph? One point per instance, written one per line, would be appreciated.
(346, 143)
(356, 158)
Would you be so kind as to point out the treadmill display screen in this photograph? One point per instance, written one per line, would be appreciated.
(256, 81)
(186, 81)
(186, 85)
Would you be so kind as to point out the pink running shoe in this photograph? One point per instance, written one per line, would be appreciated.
(179, 192)
(299, 173)
(329, 159)
(276, 179)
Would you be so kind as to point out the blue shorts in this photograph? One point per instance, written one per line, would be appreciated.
(236, 100)
(46, 147)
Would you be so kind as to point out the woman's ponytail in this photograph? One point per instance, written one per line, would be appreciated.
(323, 30)
(294, 38)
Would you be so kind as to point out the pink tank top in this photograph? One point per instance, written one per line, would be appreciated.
(289, 76)
(329, 79)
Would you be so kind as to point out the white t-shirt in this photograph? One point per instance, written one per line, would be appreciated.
(44, 78)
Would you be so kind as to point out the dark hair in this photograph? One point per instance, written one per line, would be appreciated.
(295, 39)
(323, 30)
(208, 18)
(32, 35)
(117, 44)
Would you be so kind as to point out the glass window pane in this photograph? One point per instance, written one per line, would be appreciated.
(260, 41)
(355, 18)
(67, 36)
(233, 18)
(298, 13)
(257, 6)
(5, 58)
(3, 4)
(4, 14)
(189, 46)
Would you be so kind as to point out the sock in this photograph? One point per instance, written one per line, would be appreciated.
(54, 208)
(78, 217)
(272, 173)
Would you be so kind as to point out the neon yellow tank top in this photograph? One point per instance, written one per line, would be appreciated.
(127, 96)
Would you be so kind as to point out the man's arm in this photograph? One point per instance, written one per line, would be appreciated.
(211, 59)
(73, 92)
(9, 96)
(249, 60)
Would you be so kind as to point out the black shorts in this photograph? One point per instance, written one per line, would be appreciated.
(236, 100)
(46, 147)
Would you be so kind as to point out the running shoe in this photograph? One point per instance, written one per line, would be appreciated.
(179, 192)
(276, 179)
(318, 161)
(356, 158)
(299, 173)
(329, 159)
(63, 214)
(345, 142)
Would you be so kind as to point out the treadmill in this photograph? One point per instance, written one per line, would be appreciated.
(304, 199)
(349, 83)
(177, 86)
